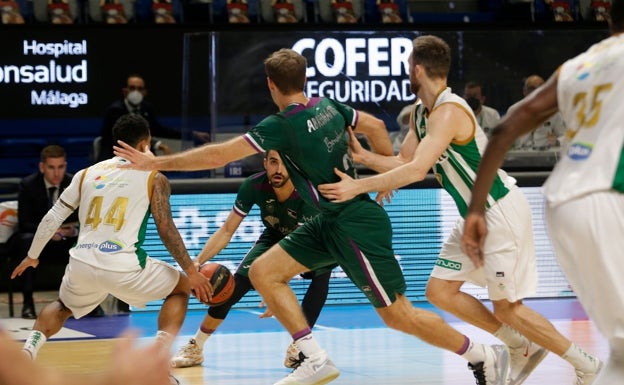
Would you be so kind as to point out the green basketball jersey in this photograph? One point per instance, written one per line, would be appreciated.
(279, 218)
(312, 140)
(456, 169)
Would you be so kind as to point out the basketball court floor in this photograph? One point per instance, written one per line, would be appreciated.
(249, 350)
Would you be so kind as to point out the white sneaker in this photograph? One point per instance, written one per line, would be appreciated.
(523, 360)
(190, 354)
(317, 369)
(294, 357)
(587, 378)
(492, 371)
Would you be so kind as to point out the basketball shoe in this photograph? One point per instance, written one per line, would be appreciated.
(317, 369)
(494, 370)
(189, 354)
(522, 361)
(587, 378)
(294, 356)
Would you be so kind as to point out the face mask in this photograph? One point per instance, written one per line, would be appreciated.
(135, 97)
(473, 102)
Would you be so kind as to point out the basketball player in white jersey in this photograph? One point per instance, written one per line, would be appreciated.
(445, 135)
(585, 191)
(114, 205)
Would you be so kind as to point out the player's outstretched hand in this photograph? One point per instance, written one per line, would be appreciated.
(138, 160)
(341, 191)
(25, 264)
(473, 240)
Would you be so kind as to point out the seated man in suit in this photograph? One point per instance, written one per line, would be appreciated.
(37, 192)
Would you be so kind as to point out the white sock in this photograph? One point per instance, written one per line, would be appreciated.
(201, 337)
(580, 359)
(475, 353)
(308, 345)
(35, 341)
(510, 336)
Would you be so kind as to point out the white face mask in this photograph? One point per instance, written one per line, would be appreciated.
(135, 97)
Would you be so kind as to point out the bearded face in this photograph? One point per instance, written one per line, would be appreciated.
(276, 171)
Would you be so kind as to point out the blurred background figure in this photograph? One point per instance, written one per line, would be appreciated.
(404, 124)
(37, 193)
(133, 101)
(548, 134)
(163, 12)
(10, 13)
(389, 11)
(237, 11)
(487, 117)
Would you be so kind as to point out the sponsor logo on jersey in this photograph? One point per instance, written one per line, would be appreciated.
(100, 182)
(580, 151)
(445, 263)
(109, 246)
(583, 70)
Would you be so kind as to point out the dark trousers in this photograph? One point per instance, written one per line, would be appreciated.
(55, 254)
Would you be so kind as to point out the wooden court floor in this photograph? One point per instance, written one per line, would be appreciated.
(365, 356)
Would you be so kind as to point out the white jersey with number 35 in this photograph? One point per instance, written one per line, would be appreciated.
(114, 208)
(590, 92)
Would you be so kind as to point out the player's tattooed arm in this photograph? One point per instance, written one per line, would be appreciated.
(161, 211)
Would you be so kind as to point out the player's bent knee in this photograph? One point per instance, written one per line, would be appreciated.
(505, 312)
(395, 315)
(183, 287)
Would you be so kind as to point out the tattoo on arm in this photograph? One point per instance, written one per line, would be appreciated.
(161, 211)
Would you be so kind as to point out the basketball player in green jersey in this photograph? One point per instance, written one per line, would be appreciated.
(311, 137)
(282, 210)
(444, 135)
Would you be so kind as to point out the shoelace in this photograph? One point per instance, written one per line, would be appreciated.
(305, 367)
(190, 347)
(296, 362)
(478, 372)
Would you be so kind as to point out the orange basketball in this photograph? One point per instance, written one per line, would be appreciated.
(222, 282)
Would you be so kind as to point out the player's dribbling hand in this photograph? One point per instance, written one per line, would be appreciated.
(200, 286)
(138, 160)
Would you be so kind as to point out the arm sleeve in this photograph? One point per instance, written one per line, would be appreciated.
(348, 112)
(63, 208)
(269, 134)
(244, 198)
